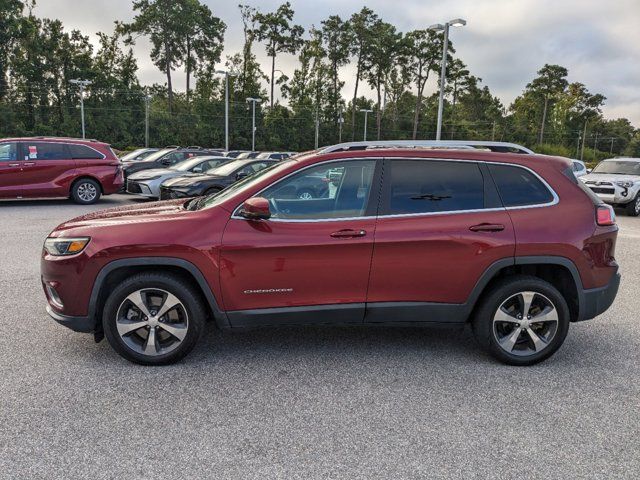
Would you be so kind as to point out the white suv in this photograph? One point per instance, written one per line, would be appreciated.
(617, 182)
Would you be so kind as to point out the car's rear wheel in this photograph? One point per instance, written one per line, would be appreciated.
(153, 318)
(633, 207)
(522, 320)
(86, 191)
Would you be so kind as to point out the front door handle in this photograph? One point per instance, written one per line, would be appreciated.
(29, 164)
(487, 227)
(349, 233)
(13, 164)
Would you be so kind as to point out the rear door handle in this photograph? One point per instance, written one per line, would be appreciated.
(29, 164)
(349, 233)
(13, 164)
(487, 227)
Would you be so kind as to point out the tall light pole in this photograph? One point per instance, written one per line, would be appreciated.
(366, 113)
(82, 84)
(340, 123)
(226, 105)
(147, 99)
(457, 22)
(253, 123)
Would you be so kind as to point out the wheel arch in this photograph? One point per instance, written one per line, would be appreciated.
(561, 272)
(116, 270)
(85, 177)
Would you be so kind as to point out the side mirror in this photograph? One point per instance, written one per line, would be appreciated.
(589, 170)
(166, 161)
(256, 208)
(241, 175)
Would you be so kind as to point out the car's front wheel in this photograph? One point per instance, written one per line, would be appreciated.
(522, 320)
(633, 207)
(153, 318)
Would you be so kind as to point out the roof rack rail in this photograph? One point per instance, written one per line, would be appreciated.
(500, 147)
(195, 147)
(172, 146)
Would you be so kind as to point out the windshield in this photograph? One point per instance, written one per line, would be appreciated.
(187, 165)
(264, 155)
(618, 167)
(226, 169)
(243, 155)
(131, 155)
(156, 155)
(212, 200)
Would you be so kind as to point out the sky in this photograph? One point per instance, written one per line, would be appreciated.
(505, 41)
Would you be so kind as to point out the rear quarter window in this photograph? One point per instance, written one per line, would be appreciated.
(519, 187)
(83, 152)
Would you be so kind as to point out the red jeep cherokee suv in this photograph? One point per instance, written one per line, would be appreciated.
(406, 236)
(82, 170)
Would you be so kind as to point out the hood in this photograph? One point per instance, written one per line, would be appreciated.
(150, 173)
(191, 179)
(609, 177)
(129, 214)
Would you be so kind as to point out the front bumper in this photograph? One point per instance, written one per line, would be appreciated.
(77, 324)
(172, 194)
(143, 189)
(611, 193)
(596, 301)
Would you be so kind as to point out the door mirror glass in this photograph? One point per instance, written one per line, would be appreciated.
(256, 208)
(241, 175)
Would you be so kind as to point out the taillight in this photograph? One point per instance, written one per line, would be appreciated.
(605, 216)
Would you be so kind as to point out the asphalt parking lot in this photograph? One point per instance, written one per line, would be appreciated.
(309, 402)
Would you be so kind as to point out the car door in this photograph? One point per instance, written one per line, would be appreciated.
(10, 170)
(441, 225)
(308, 263)
(48, 169)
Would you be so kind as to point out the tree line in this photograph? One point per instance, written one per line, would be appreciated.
(39, 57)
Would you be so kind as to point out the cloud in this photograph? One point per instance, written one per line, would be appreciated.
(504, 43)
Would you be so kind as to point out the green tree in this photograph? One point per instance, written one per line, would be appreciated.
(550, 82)
(361, 27)
(10, 16)
(203, 40)
(425, 49)
(279, 35)
(337, 37)
(166, 25)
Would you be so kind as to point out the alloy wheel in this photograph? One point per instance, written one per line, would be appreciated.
(152, 321)
(87, 192)
(525, 323)
(305, 196)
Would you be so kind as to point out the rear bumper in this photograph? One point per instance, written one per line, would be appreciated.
(77, 324)
(597, 300)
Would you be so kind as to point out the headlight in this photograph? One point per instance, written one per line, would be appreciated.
(65, 246)
(625, 184)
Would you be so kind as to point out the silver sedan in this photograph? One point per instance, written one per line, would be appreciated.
(147, 182)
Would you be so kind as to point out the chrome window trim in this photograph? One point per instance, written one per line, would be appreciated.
(68, 143)
(554, 201)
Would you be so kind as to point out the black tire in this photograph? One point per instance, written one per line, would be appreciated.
(493, 299)
(633, 207)
(86, 191)
(301, 193)
(189, 301)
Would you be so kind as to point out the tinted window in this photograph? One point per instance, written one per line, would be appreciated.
(8, 152)
(428, 186)
(618, 167)
(45, 151)
(82, 151)
(338, 190)
(519, 187)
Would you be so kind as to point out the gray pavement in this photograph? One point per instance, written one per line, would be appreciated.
(309, 402)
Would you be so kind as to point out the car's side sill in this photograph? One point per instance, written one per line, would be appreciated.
(351, 313)
(383, 313)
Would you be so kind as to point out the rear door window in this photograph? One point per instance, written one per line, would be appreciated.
(82, 152)
(519, 187)
(432, 186)
(45, 151)
(8, 152)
